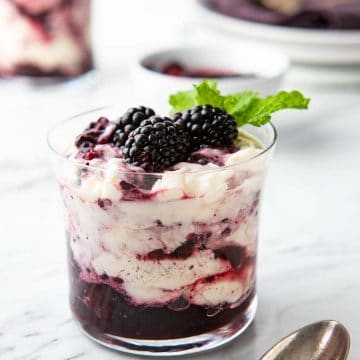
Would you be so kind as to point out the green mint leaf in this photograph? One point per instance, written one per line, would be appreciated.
(182, 100)
(236, 104)
(207, 93)
(204, 93)
(246, 107)
(260, 110)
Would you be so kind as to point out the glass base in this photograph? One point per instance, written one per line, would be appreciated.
(182, 346)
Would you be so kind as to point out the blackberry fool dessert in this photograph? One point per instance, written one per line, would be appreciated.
(45, 38)
(162, 217)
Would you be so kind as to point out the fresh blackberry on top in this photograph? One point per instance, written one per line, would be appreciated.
(129, 122)
(207, 125)
(157, 144)
(215, 120)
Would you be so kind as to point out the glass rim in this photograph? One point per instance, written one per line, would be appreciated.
(58, 124)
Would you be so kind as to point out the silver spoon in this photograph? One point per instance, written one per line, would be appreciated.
(324, 340)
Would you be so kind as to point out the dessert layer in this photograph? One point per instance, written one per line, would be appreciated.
(45, 38)
(101, 309)
(164, 236)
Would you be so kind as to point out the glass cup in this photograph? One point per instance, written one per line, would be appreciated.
(45, 39)
(161, 263)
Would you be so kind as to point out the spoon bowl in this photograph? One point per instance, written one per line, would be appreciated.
(323, 340)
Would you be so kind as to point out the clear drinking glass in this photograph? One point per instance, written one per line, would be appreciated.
(45, 39)
(161, 263)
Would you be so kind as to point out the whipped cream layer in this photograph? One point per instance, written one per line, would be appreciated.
(156, 238)
(44, 37)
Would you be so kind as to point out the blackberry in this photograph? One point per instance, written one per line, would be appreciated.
(156, 144)
(207, 125)
(129, 122)
(98, 132)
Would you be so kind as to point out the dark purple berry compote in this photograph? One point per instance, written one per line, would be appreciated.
(175, 68)
(45, 38)
(162, 225)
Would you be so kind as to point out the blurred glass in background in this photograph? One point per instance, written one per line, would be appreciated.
(45, 38)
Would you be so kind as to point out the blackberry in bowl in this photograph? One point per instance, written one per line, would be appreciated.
(164, 262)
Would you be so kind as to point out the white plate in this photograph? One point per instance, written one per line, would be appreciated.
(302, 45)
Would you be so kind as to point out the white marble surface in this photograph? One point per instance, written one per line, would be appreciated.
(310, 240)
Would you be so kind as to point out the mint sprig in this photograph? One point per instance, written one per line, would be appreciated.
(246, 107)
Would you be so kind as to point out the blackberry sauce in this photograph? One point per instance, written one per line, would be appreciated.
(180, 70)
(101, 309)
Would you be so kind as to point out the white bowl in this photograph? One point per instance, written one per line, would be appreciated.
(268, 64)
(302, 45)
